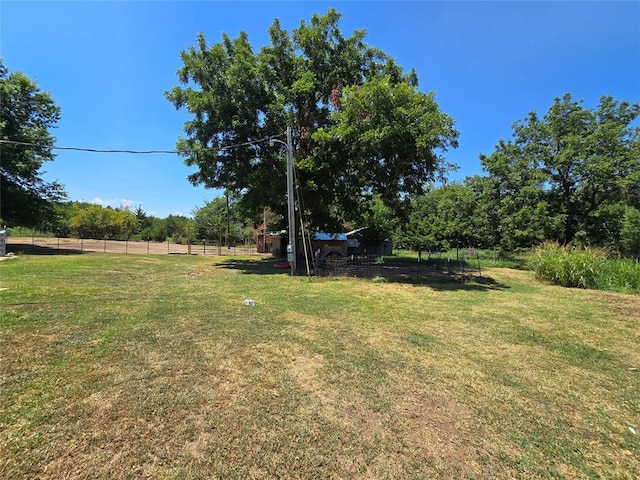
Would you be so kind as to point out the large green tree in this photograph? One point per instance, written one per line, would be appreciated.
(215, 217)
(442, 218)
(95, 221)
(26, 115)
(567, 175)
(361, 128)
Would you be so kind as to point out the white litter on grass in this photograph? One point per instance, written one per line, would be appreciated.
(633, 430)
(249, 303)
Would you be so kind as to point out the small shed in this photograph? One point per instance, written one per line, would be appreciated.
(272, 242)
(361, 243)
(278, 243)
(324, 244)
(264, 242)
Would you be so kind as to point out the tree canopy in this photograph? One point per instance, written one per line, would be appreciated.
(26, 115)
(569, 175)
(361, 128)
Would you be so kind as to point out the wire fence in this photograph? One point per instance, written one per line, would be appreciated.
(44, 244)
(348, 266)
(467, 265)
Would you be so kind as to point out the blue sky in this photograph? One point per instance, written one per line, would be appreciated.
(108, 64)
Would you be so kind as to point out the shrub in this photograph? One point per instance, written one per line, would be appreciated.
(26, 232)
(569, 266)
(621, 275)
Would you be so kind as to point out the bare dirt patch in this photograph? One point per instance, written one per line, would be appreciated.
(439, 427)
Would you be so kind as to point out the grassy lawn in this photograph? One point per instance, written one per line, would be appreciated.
(126, 366)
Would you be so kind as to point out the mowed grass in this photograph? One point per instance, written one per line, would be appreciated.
(125, 366)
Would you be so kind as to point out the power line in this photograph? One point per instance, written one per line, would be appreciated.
(139, 152)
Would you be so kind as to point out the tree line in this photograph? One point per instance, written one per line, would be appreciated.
(87, 220)
(570, 176)
(216, 221)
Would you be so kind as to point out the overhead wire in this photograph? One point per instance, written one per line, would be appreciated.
(141, 152)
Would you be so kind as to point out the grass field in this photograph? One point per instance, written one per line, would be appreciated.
(128, 366)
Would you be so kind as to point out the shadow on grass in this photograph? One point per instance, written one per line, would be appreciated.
(503, 261)
(266, 266)
(435, 279)
(26, 249)
(450, 282)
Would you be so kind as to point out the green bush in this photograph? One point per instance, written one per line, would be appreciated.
(26, 232)
(568, 266)
(620, 275)
(586, 267)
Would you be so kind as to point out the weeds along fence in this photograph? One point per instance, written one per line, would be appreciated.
(18, 244)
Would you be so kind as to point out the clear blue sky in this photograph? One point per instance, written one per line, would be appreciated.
(107, 64)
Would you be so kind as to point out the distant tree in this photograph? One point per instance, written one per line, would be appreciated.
(95, 221)
(142, 219)
(361, 128)
(211, 219)
(265, 221)
(156, 230)
(214, 217)
(513, 197)
(379, 221)
(567, 175)
(181, 229)
(487, 218)
(26, 115)
(442, 218)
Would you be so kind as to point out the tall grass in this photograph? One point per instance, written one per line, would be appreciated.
(584, 267)
(27, 232)
(620, 275)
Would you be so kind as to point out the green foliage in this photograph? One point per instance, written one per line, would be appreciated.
(177, 228)
(180, 228)
(361, 128)
(142, 220)
(620, 275)
(26, 232)
(26, 115)
(586, 267)
(156, 230)
(567, 175)
(214, 218)
(378, 221)
(389, 134)
(94, 221)
(441, 218)
(630, 232)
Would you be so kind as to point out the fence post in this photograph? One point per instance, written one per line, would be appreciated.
(168, 250)
(58, 243)
(104, 248)
(81, 244)
(126, 245)
(147, 246)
